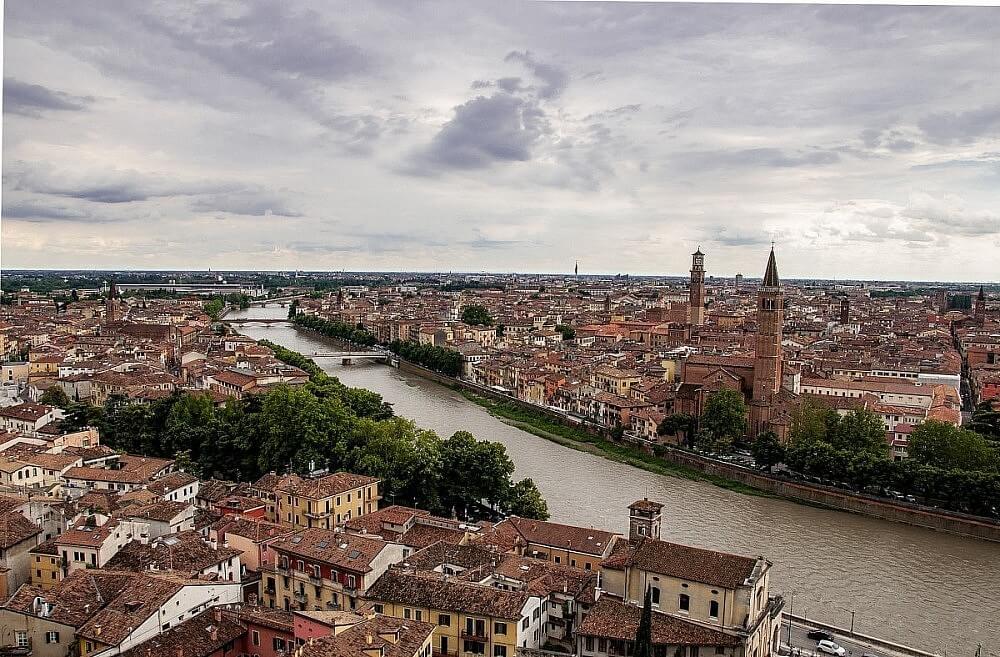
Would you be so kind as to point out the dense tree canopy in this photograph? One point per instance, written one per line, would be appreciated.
(440, 359)
(337, 330)
(943, 445)
(55, 396)
(723, 421)
(476, 315)
(323, 424)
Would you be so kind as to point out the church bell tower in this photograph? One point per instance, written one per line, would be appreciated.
(767, 358)
(696, 299)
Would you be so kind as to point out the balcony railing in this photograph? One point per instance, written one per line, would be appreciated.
(300, 596)
(475, 636)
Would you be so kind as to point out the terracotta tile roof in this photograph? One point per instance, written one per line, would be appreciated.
(188, 556)
(346, 551)
(611, 619)
(27, 412)
(171, 482)
(683, 562)
(276, 619)
(199, 636)
(564, 537)
(332, 484)
(75, 599)
(392, 637)
(15, 528)
(437, 592)
(141, 598)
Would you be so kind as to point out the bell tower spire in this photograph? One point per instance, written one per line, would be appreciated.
(767, 357)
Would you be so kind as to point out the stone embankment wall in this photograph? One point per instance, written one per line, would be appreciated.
(954, 523)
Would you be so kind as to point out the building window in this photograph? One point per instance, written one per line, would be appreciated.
(417, 614)
(499, 651)
(278, 643)
(379, 608)
(588, 644)
(654, 594)
(684, 604)
(51, 637)
(444, 620)
(406, 613)
(500, 628)
(713, 608)
(255, 637)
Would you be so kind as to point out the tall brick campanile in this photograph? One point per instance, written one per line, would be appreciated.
(767, 360)
(979, 311)
(696, 299)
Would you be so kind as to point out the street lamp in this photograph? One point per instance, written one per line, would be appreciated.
(791, 606)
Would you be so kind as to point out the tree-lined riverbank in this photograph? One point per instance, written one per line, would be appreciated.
(907, 584)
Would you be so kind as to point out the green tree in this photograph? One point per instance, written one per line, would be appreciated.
(859, 431)
(644, 634)
(943, 445)
(767, 450)
(55, 396)
(986, 420)
(723, 420)
(812, 422)
(568, 332)
(675, 423)
(476, 315)
(293, 309)
(214, 308)
(525, 500)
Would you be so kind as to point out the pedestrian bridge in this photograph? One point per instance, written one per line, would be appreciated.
(348, 357)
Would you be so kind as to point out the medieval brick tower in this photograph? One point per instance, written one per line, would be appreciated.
(697, 289)
(767, 361)
(979, 310)
(845, 311)
(111, 306)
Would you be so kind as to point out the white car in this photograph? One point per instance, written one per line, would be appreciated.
(830, 648)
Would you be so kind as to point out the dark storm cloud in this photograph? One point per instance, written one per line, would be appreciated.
(504, 127)
(961, 127)
(111, 186)
(484, 131)
(32, 99)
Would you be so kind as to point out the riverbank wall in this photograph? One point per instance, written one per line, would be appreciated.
(875, 642)
(815, 494)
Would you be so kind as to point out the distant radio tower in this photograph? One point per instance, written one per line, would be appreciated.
(576, 268)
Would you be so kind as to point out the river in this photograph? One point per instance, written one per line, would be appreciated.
(915, 586)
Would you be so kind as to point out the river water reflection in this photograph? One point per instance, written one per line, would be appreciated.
(915, 586)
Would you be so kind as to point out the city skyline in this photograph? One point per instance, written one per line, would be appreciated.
(504, 139)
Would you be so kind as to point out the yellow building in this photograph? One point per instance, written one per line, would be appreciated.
(324, 502)
(725, 593)
(472, 620)
(579, 547)
(46, 566)
(614, 380)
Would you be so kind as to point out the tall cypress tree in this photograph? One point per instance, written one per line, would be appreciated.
(644, 636)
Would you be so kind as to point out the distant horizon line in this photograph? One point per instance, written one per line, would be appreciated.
(481, 273)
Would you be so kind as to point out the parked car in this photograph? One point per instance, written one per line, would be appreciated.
(820, 635)
(830, 648)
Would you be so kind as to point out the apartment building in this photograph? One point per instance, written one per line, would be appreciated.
(324, 502)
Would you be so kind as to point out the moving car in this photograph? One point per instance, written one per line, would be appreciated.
(830, 648)
(819, 635)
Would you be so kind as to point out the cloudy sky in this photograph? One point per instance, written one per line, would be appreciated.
(502, 136)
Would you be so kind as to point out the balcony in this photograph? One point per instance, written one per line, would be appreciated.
(301, 597)
(475, 635)
(269, 590)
